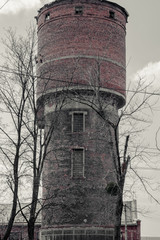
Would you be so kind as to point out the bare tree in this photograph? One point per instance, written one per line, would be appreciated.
(14, 103)
(27, 148)
(124, 128)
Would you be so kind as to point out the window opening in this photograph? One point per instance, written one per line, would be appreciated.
(47, 16)
(78, 121)
(111, 14)
(78, 124)
(78, 10)
(77, 168)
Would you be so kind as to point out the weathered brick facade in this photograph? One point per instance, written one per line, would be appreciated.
(81, 55)
(19, 230)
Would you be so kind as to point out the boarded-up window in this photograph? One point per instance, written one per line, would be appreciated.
(78, 163)
(78, 122)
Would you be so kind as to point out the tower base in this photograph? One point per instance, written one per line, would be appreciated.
(92, 233)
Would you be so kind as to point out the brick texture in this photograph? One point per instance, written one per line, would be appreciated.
(76, 45)
(80, 51)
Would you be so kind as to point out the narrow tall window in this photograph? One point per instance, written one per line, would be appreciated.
(111, 14)
(78, 121)
(77, 164)
(78, 124)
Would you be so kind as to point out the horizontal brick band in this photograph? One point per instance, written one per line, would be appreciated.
(85, 56)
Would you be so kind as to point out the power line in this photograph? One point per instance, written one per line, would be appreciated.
(4, 4)
(79, 84)
(147, 168)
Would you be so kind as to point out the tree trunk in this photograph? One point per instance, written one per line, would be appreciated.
(119, 209)
(118, 214)
(11, 220)
(31, 225)
(15, 197)
(32, 219)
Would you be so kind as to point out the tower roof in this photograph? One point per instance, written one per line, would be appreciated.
(81, 1)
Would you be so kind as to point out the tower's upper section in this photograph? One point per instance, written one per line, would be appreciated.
(81, 43)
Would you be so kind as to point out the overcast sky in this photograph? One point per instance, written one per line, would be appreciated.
(143, 57)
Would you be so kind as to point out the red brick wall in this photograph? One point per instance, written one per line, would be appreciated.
(80, 51)
(133, 231)
(69, 44)
(20, 231)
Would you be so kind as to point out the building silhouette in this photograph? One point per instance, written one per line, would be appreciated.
(81, 68)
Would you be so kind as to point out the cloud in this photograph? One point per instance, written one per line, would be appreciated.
(14, 6)
(150, 74)
(45, 1)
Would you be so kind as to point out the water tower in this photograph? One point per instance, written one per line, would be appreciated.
(80, 63)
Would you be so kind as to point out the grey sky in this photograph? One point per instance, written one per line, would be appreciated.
(143, 47)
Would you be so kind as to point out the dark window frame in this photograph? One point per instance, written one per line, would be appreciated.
(82, 125)
(77, 167)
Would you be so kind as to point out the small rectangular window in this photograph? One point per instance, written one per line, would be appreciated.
(111, 14)
(78, 121)
(79, 10)
(77, 166)
(47, 16)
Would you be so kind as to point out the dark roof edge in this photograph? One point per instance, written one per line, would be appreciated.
(112, 3)
(117, 5)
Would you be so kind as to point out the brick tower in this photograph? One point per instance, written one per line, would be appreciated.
(81, 64)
